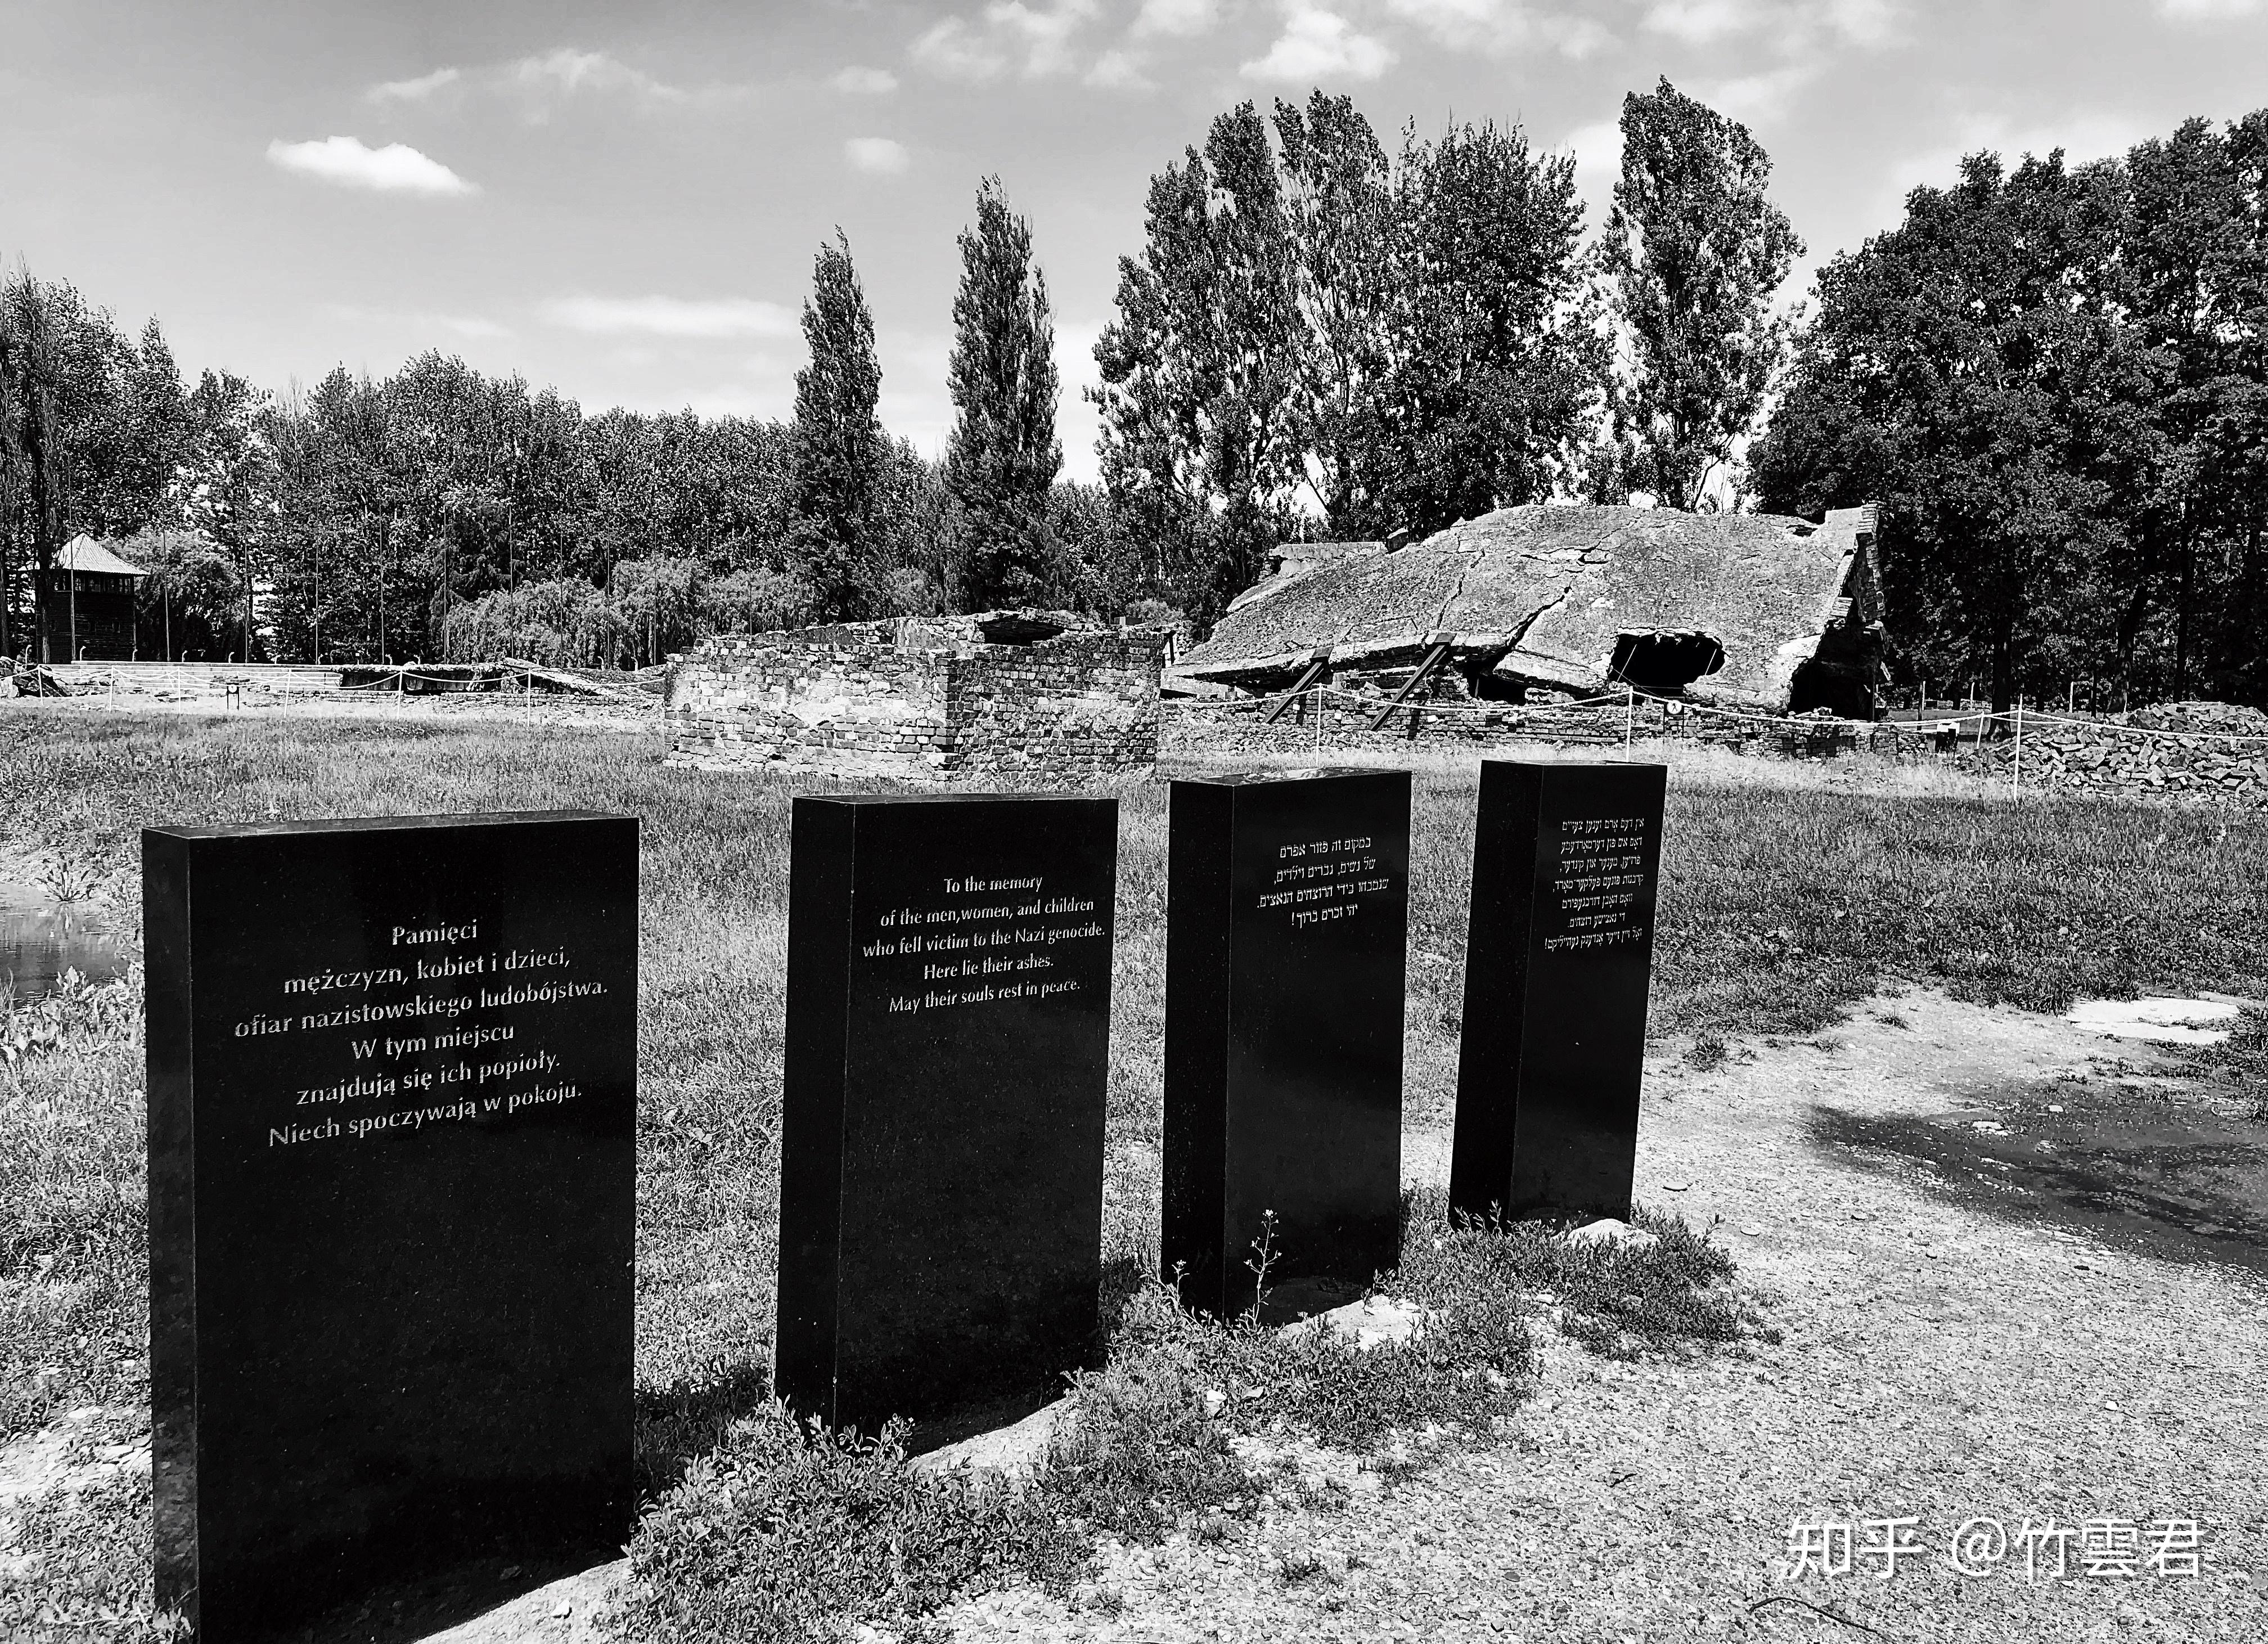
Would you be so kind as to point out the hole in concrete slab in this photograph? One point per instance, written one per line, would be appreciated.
(1661, 664)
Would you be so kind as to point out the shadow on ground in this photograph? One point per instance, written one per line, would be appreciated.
(691, 1418)
(410, 1611)
(2148, 1169)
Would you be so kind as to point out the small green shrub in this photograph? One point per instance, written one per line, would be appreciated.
(1620, 1300)
(789, 1533)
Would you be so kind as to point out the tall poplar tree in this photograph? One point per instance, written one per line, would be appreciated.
(1199, 369)
(839, 447)
(1494, 366)
(1694, 251)
(1003, 454)
(1339, 214)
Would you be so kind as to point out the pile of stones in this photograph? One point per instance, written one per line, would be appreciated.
(2197, 751)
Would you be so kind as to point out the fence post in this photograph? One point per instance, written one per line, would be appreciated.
(2016, 769)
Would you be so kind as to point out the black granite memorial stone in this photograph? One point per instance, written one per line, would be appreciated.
(391, 1089)
(949, 1057)
(1287, 907)
(1557, 954)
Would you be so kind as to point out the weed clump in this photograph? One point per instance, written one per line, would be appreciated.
(1669, 1297)
(2241, 1059)
(787, 1532)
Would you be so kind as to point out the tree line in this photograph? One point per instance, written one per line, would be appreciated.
(2052, 379)
(2055, 380)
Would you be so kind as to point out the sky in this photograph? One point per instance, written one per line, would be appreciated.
(624, 201)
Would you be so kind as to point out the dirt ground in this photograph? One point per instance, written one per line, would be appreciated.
(1956, 1348)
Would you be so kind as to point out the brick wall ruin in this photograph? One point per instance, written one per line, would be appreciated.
(1032, 695)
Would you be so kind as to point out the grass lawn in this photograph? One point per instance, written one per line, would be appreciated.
(1784, 900)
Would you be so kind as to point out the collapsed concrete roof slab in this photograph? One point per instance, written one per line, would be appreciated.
(1543, 594)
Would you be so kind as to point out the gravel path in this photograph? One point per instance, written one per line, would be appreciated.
(1941, 1364)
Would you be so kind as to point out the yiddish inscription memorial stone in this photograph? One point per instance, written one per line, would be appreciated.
(392, 1096)
(948, 1058)
(1566, 857)
(1287, 909)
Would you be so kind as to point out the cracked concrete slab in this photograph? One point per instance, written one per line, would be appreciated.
(1541, 594)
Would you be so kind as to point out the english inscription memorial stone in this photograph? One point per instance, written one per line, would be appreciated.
(948, 1058)
(1287, 907)
(1557, 954)
(393, 1104)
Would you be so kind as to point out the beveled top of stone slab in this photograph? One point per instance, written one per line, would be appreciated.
(945, 799)
(368, 824)
(1582, 764)
(1298, 773)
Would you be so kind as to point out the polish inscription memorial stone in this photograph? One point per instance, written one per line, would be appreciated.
(393, 1105)
(1566, 857)
(1287, 908)
(949, 1060)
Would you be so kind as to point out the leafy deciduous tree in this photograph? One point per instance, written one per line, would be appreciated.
(1694, 250)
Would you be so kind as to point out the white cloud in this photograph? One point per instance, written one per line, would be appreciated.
(414, 91)
(1457, 19)
(2212, 11)
(1042, 38)
(1318, 45)
(1576, 37)
(958, 52)
(565, 72)
(1792, 24)
(418, 320)
(668, 316)
(1044, 32)
(1699, 22)
(544, 81)
(1502, 26)
(878, 156)
(397, 168)
(1180, 19)
(1862, 22)
(1760, 100)
(865, 82)
(1120, 71)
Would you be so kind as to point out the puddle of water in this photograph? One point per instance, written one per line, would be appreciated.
(2163, 1020)
(2169, 1178)
(40, 940)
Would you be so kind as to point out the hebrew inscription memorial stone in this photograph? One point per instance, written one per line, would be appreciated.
(948, 1056)
(1565, 859)
(1287, 905)
(393, 1090)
